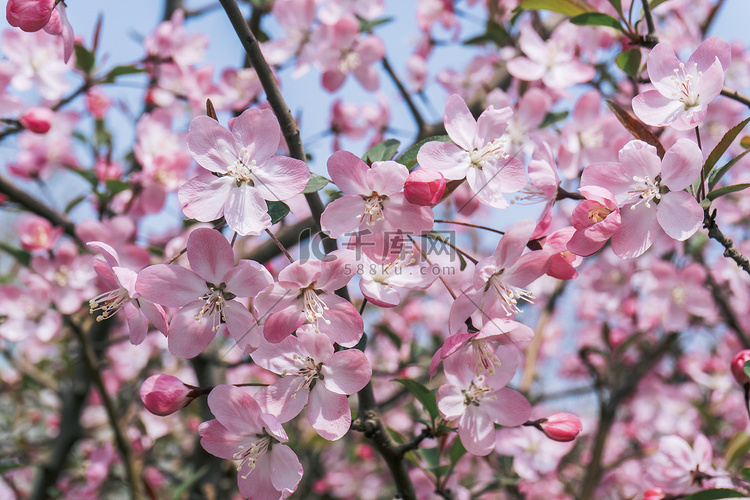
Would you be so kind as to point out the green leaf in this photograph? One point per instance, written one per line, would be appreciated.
(636, 127)
(121, 71)
(737, 448)
(74, 203)
(316, 183)
(22, 256)
(395, 338)
(565, 7)
(716, 494)
(423, 395)
(115, 186)
(457, 451)
(383, 151)
(723, 145)
(366, 25)
(553, 117)
(88, 175)
(409, 157)
(494, 33)
(189, 481)
(597, 19)
(718, 173)
(84, 59)
(629, 61)
(716, 193)
(705, 202)
(745, 474)
(617, 4)
(431, 456)
(746, 368)
(277, 210)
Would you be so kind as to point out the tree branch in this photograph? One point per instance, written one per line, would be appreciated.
(405, 94)
(730, 250)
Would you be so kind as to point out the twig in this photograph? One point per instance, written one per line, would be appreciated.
(123, 445)
(280, 245)
(650, 40)
(468, 224)
(405, 94)
(730, 250)
(733, 94)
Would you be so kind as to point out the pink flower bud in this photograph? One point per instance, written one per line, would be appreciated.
(738, 366)
(561, 427)
(653, 494)
(424, 187)
(29, 15)
(97, 103)
(164, 394)
(38, 120)
(36, 233)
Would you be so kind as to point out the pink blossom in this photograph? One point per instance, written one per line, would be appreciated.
(424, 187)
(313, 375)
(305, 294)
(164, 394)
(738, 366)
(374, 206)
(595, 221)
(380, 283)
(28, 311)
(37, 120)
(478, 402)
(562, 262)
(70, 276)
(683, 90)
(561, 427)
(29, 15)
(207, 294)
(97, 103)
(251, 172)
(36, 233)
(554, 61)
(123, 295)
(650, 193)
(677, 468)
(242, 431)
(476, 153)
(38, 61)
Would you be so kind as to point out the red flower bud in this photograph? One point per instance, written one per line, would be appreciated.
(38, 120)
(164, 394)
(738, 366)
(653, 494)
(424, 187)
(29, 15)
(561, 427)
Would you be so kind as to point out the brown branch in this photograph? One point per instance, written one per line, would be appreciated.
(733, 94)
(650, 40)
(730, 250)
(405, 94)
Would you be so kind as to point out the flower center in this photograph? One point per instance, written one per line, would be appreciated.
(215, 303)
(314, 306)
(679, 295)
(249, 455)
(373, 209)
(494, 150)
(307, 374)
(484, 354)
(508, 294)
(477, 392)
(109, 303)
(598, 213)
(242, 169)
(686, 85)
(350, 60)
(647, 190)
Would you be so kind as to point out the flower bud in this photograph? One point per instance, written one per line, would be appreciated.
(164, 394)
(29, 15)
(36, 233)
(653, 494)
(424, 187)
(738, 366)
(38, 120)
(561, 427)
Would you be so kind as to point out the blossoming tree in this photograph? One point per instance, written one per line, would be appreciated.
(519, 272)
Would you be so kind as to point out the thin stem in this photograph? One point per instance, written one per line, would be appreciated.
(730, 250)
(405, 94)
(650, 39)
(180, 254)
(454, 247)
(440, 277)
(280, 245)
(702, 187)
(733, 94)
(468, 224)
(362, 306)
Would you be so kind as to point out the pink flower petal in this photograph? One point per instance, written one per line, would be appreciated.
(346, 372)
(679, 214)
(210, 254)
(637, 231)
(328, 413)
(213, 146)
(509, 408)
(348, 172)
(188, 337)
(446, 158)
(282, 178)
(681, 165)
(259, 131)
(343, 215)
(246, 211)
(459, 123)
(203, 197)
(476, 430)
(171, 286)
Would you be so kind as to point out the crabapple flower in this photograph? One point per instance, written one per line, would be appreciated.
(595, 221)
(123, 295)
(37, 119)
(561, 427)
(678, 468)
(379, 282)
(499, 280)
(36, 233)
(478, 402)
(164, 394)
(250, 171)
(305, 294)
(206, 295)
(267, 470)
(476, 152)
(374, 206)
(34, 15)
(738, 366)
(313, 374)
(650, 193)
(683, 90)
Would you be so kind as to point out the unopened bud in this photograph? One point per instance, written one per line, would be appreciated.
(653, 494)
(562, 427)
(164, 394)
(38, 120)
(28, 15)
(424, 187)
(738, 366)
